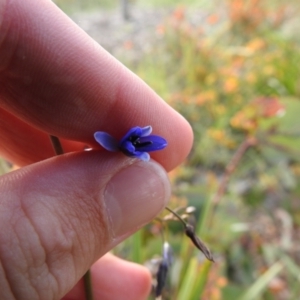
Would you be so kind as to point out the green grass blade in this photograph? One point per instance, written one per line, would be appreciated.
(291, 266)
(204, 216)
(201, 279)
(262, 282)
(136, 254)
(186, 289)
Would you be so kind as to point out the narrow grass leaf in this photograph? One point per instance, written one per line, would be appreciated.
(188, 283)
(201, 279)
(291, 266)
(256, 290)
(137, 247)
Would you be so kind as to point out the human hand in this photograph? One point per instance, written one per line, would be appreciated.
(58, 215)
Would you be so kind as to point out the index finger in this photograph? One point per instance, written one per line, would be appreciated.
(56, 78)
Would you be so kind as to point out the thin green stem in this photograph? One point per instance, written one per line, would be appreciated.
(88, 288)
(58, 149)
(56, 145)
(176, 215)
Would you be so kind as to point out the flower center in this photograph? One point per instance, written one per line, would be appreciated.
(135, 140)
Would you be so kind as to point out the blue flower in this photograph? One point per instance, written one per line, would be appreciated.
(137, 142)
(165, 264)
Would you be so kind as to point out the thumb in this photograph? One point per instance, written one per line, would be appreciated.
(62, 214)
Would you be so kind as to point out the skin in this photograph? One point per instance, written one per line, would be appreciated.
(59, 215)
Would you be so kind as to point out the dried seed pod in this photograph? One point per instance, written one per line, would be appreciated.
(190, 232)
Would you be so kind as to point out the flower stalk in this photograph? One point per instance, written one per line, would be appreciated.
(56, 145)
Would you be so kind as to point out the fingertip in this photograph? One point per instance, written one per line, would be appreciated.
(179, 136)
(128, 280)
(114, 279)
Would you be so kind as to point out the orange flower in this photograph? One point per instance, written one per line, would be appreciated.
(231, 85)
(160, 30)
(244, 121)
(213, 19)
(263, 107)
(128, 45)
(256, 44)
(269, 107)
(179, 13)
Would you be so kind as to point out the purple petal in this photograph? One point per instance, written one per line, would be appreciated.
(167, 253)
(134, 131)
(146, 130)
(106, 141)
(142, 155)
(151, 143)
(127, 148)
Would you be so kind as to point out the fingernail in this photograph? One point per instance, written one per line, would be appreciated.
(135, 195)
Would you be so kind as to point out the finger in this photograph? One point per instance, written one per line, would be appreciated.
(22, 144)
(62, 214)
(59, 80)
(114, 279)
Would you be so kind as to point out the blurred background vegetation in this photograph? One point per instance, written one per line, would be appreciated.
(232, 68)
